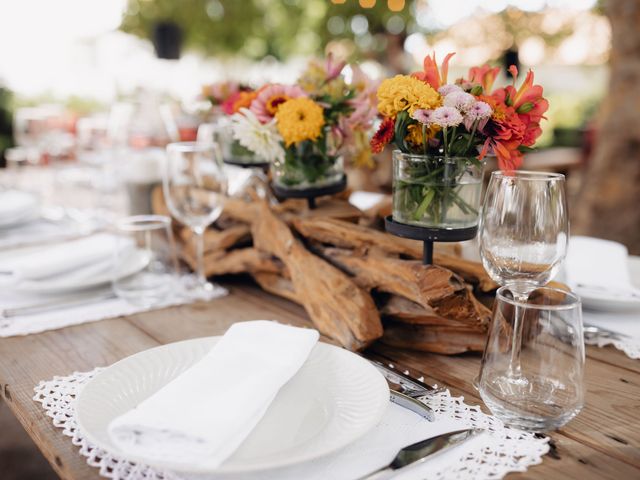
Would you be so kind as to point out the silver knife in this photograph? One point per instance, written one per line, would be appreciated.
(420, 451)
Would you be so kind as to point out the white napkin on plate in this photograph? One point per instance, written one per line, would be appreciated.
(599, 266)
(207, 412)
(15, 205)
(48, 261)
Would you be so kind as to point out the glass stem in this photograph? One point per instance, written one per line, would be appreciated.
(516, 337)
(199, 239)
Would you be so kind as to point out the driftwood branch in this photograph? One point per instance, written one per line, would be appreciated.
(432, 287)
(336, 305)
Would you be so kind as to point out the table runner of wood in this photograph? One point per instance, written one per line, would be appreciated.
(602, 442)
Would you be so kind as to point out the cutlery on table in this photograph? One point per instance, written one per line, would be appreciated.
(412, 404)
(593, 332)
(420, 451)
(56, 304)
(403, 383)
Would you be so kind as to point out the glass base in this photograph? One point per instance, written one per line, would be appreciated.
(530, 402)
(194, 289)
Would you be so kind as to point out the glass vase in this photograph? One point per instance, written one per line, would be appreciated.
(307, 166)
(233, 152)
(435, 191)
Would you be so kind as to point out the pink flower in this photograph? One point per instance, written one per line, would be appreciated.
(333, 69)
(364, 112)
(459, 100)
(445, 90)
(447, 117)
(478, 111)
(424, 116)
(266, 104)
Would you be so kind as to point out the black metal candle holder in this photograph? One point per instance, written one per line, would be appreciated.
(310, 193)
(264, 166)
(428, 235)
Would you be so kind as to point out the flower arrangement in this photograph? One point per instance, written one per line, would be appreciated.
(305, 129)
(443, 131)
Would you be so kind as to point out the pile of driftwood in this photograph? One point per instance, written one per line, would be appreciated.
(358, 284)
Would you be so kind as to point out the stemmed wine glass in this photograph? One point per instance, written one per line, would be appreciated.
(523, 236)
(195, 185)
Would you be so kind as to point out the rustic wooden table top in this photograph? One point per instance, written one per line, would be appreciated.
(602, 442)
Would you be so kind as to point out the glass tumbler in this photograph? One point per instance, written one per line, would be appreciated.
(551, 390)
(145, 263)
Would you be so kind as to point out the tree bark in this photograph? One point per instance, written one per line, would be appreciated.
(607, 205)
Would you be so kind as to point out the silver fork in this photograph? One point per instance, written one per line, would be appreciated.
(409, 386)
(593, 332)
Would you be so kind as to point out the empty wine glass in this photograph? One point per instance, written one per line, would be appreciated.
(194, 185)
(523, 236)
(551, 359)
(144, 260)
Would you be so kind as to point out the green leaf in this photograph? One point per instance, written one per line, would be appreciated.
(476, 90)
(525, 107)
(525, 149)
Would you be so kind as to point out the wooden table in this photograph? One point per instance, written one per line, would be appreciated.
(602, 442)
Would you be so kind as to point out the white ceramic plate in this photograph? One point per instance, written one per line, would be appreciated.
(334, 399)
(604, 302)
(87, 277)
(18, 207)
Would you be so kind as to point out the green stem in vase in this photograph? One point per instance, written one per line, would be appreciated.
(444, 144)
(424, 138)
(426, 201)
(473, 132)
(452, 140)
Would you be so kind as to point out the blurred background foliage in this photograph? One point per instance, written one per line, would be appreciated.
(259, 28)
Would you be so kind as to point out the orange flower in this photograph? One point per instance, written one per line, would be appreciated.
(383, 136)
(484, 76)
(243, 100)
(431, 75)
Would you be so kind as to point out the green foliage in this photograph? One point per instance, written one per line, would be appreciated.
(257, 28)
(6, 116)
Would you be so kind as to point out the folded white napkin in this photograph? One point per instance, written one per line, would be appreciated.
(48, 261)
(204, 414)
(15, 205)
(600, 266)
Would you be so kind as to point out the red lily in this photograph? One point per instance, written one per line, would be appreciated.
(431, 75)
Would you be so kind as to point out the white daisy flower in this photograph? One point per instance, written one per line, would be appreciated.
(261, 138)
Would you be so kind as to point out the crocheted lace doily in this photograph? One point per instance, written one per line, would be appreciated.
(511, 450)
(630, 347)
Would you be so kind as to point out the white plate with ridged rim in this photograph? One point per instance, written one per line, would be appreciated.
(334, 399)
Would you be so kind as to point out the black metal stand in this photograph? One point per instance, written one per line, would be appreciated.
(428, 235)
(264, 166)
(310, 193)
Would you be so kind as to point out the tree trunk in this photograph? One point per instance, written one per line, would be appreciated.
(608, 205)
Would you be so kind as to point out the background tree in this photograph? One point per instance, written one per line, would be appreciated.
(608, 205)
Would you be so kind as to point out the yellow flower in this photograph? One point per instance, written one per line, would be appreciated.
(405, 93)
(299, 119)
(414, 134)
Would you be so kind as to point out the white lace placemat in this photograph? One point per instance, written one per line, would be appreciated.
(490, 456)
(79, 314)
(625, 323)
